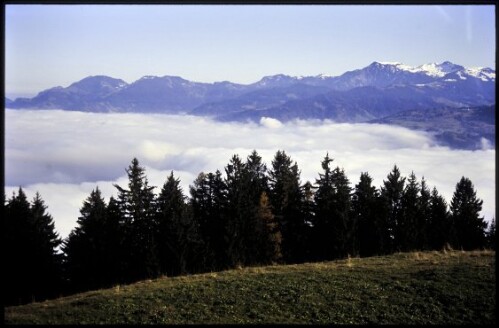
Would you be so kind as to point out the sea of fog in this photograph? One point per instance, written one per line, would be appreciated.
(64, 154)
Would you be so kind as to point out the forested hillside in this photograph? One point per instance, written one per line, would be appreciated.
(250, 215)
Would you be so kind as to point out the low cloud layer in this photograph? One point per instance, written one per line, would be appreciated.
(64, 155)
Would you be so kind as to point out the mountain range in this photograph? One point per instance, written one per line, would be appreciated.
(380, 92)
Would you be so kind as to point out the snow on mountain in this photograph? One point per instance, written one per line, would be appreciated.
(438, 70)
(483, 73)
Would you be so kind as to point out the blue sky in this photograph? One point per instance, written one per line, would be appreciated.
(51, 45)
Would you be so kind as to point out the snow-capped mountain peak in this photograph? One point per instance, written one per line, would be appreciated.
(482, 73)
(438, 70)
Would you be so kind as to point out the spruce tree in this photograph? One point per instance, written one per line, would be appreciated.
(138, 209)
(255, 233)
(408, 232)
(439, 224)
(491, 234)
(391, 193)
(87, 260)
(287, 198)
(343, 222)
(324, 245)
(468, 227)
(209, 206)
(33, 264)
(117, 243)
(423, 215)
(365, 212)
(176, 231)
(333, 226)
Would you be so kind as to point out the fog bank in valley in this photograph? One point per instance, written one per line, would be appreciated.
(64, 155)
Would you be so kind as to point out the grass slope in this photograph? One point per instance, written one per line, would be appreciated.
(405, 288)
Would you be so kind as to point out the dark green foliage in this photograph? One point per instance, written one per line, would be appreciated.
(332, 225)
(423, 217)
(287, 199)
(209, 209)
(439, 223)
(408, 230)
(137, 209)
(250, 217)
(32, 265)
(391, 192)
(365, 213)
(176, 231)
(491, 234)
(90, 248)
(468, 227)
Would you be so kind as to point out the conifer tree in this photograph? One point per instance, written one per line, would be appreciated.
(343, 222)
(365, 212)
(423, 215)
(33, 264)
(439, 224)
(239, 209)
(269, 235)
(87, 260)
(322, 225)
(468, 227)
(255, 234)
(176, 230)
(209, 206)
(332, 223)
(117, 248)
(491, 234)
(408, 232)
(138, 209)
(391, 192)
(286, 197)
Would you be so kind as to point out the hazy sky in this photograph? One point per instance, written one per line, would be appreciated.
(51, 45)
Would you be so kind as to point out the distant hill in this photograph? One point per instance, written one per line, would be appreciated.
(462, 128)
(444, 288)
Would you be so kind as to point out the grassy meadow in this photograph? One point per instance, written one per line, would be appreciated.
(447, 287)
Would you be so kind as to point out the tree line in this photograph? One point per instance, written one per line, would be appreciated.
(250, 215)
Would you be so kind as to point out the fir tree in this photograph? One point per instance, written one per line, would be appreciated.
(322, 225)
(364, 202)
(423, 215)
(87, 246)
(176, 230)
(33, 263)
(491, 234)
(439, 224)
(408, 232)
(138, 209)
(391, 192)
(287, 198)
(209, 206)
(332, 223)
(468, 227)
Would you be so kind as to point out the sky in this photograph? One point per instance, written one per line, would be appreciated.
(56, 45)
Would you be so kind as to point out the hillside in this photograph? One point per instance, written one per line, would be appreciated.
(461, 128)
(449, 287)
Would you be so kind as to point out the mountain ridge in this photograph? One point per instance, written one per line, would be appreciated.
(379, 90)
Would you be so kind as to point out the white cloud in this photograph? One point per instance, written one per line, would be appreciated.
(270, 123)
(64, 155)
